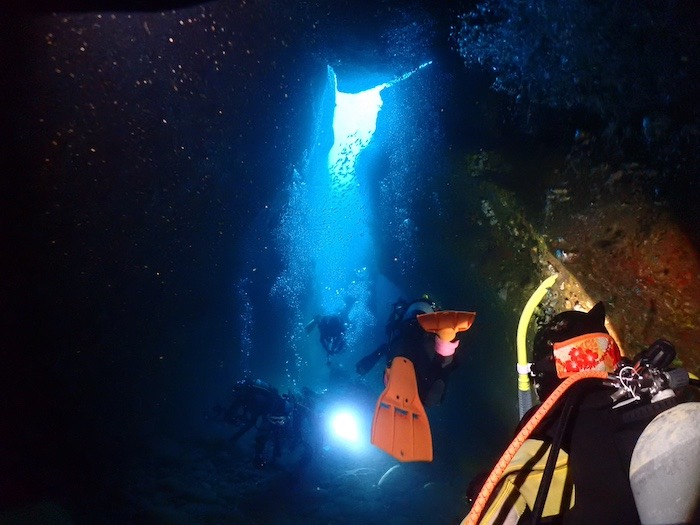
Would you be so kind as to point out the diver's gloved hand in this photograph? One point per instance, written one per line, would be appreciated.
(445, 348)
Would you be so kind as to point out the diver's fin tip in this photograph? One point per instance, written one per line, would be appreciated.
(400, 426)
(447, 323)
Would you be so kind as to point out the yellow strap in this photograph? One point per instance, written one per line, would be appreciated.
(525, 492)
(497, 514)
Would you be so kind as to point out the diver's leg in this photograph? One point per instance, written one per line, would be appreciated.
(366, 364)
(435, 393)
(442, 367)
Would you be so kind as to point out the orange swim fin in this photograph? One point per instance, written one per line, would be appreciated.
(446, 323)
(400, 426)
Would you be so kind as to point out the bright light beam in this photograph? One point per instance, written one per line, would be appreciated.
(325, 233)
(345, 427)
(354, 124)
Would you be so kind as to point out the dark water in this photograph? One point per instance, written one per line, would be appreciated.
(151, 168)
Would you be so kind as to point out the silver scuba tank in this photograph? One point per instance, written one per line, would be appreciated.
(665, 468)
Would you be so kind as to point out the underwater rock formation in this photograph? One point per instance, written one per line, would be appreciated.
(608, 241)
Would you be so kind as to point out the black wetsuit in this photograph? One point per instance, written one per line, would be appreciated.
(330, 329)
(408, 339)
(432, 370)
(252, 399)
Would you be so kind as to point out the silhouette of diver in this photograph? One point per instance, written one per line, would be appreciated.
(288, 419)
(433, 359)
(291, 423)
(252, 399)
(331, 330)
(406, 338)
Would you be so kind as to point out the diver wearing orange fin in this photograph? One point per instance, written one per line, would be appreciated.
(421, 355)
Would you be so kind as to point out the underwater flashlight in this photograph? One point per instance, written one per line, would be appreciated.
(345, 426)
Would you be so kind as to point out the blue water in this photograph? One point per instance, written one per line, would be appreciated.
(326, 235)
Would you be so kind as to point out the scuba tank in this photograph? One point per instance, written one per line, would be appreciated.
(665, 468)
(665, 465)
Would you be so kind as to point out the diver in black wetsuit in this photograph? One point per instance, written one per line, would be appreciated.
(252, 400)
(331, 330)
(288, 420)
(405, 337)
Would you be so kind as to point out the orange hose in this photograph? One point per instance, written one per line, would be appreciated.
(495, 476)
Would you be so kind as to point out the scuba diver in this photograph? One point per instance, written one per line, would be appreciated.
(291, 423)
(575, 454)
(331, 330)
(252, 400)
(280, 419)
(433, 358)
(420, 353)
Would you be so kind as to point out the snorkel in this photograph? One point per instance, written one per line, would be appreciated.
(524, 393)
